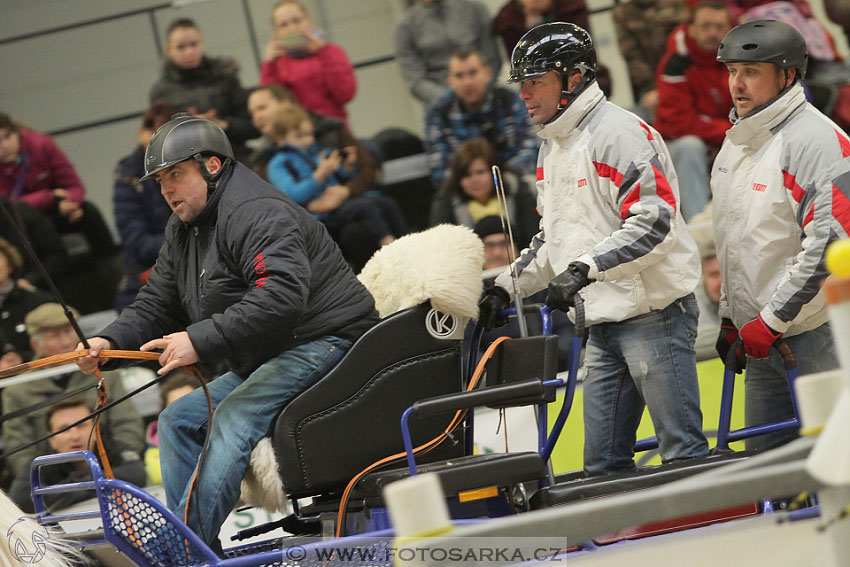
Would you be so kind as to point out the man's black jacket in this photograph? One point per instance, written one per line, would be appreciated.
(253, 275)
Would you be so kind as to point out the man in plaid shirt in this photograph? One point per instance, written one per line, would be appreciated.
(474, 108)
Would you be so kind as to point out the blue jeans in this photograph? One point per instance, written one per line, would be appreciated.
(690, 158)
(768, 398)
(245, 409)
(647, 360)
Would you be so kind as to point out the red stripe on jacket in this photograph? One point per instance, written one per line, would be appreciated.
(663, 188)
(608, 172)
(809, 216)
(841, 208)
(791, 184)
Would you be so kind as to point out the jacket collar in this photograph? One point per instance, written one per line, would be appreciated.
(563, 126)
(753, 129)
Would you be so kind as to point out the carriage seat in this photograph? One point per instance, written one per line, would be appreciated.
(426, 286)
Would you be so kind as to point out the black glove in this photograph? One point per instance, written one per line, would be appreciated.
(565, 285)
(726, 338)
(495, 299)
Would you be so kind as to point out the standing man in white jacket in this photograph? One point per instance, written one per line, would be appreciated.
(781, 194)
(609, 201)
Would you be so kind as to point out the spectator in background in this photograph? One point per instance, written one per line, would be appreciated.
(708, 293)
(642, 30)
(265, 102)
(312, 177)
(50, 334)
(175, 386)
(15, 302)
(140, 211)
(34, 170)
(823, 57)
(297, 57)
(124, 460)
(203, 86)
(43, 238)
(430, 32)
(470, 193)
(474, 108)
(354, 239)
(839, 12)
(499, 251)
(694, 100)
(708, 290)
(518, 16)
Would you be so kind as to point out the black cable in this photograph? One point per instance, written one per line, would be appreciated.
(37, 263)
(95, 413)
(45, 403)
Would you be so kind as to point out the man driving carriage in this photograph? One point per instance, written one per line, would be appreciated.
(248, 283)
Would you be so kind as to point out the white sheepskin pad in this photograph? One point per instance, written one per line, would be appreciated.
(442, 264)
(262, 486)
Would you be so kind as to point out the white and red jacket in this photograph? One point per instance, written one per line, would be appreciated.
(608, 196)
(781, 194)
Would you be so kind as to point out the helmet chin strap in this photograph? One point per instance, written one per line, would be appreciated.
(212, 178)
(568, 95)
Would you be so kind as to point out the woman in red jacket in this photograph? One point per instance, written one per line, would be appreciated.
(318, 73)
(34, 170)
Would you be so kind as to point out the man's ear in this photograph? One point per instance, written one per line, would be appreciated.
(791, 77)
(213, 164)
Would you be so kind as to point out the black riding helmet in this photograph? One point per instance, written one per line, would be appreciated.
(765, 41)
(556, 46)
(187, 137)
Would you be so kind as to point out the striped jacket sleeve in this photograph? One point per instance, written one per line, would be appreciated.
(817, 177)
(632, 168)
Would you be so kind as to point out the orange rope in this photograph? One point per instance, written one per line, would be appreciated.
(101, 449)
(458, 418)
(66, 357)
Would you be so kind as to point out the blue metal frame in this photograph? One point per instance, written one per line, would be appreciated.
(724, 433)
(187, 537)
(37, 491)
(546, 443)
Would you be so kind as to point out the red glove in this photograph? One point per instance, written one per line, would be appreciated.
(758, 338)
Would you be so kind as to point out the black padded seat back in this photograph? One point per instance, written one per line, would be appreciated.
(352, 417)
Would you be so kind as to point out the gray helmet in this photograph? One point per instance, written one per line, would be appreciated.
(185, 137)
(556, 46)
(765, 41)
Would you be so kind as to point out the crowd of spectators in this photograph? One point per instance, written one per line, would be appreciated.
(293, 130)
